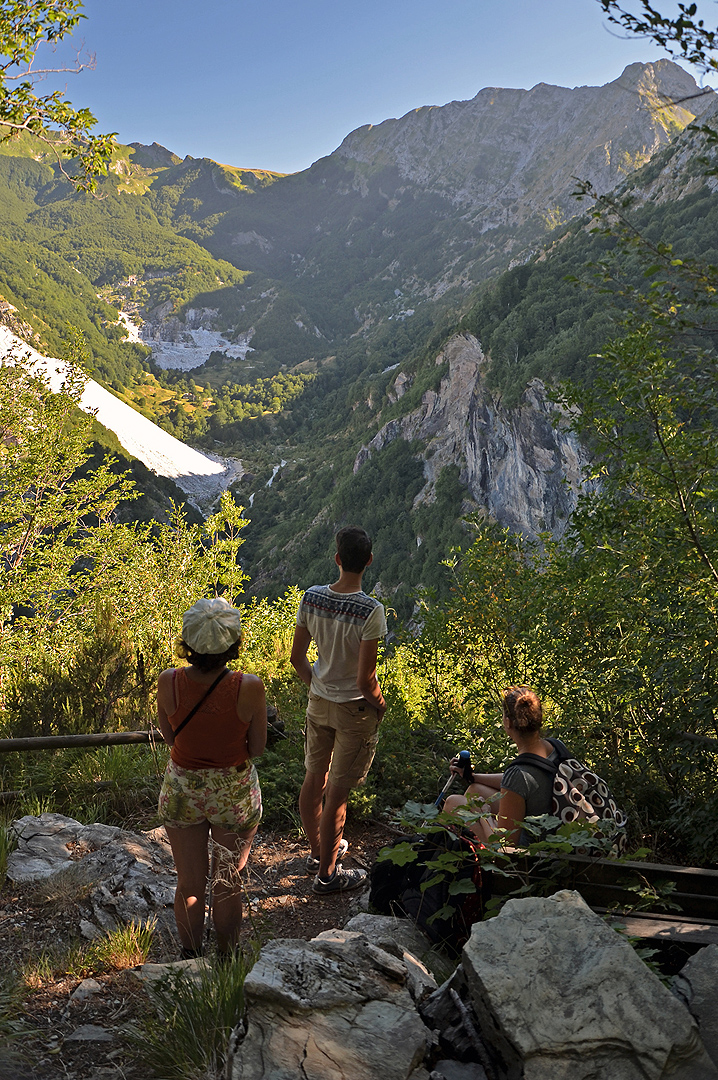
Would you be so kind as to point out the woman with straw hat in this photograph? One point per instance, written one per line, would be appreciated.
(215, 720)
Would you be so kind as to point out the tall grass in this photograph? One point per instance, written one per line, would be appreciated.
(8, 843)
(11, 1027)
(125, 947)
(9, 1004)
(116, 785)
(194, 1012)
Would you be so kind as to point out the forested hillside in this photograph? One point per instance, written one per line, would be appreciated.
(518, 401)
(313, 307)
(546, 319)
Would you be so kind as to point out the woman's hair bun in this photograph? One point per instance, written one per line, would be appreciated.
(523, 708)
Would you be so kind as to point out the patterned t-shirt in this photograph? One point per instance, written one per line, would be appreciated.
(338, 622)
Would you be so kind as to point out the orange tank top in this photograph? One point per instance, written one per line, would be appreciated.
(215, 737)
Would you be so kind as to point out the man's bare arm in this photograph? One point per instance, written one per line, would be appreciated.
(298, 659)
(367, 682)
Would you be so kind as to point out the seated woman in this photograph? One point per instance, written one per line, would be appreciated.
(520, 791)
(210, 786)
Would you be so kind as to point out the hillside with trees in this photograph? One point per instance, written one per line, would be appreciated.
(339, 279)
(629, 284)
(614, 621)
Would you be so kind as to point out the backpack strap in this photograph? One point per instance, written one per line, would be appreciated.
(561, 749)
(562, 752)
(201, 702)
(537, 761)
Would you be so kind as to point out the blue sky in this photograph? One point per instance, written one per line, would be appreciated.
(277, 84)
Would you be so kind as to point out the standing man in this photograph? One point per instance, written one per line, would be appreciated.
(345, 707)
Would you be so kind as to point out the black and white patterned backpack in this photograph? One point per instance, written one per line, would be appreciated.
(579, 793)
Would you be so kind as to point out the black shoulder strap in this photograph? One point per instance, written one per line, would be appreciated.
(561, 749)
(201, 702)
(562, 753)
(537, 761)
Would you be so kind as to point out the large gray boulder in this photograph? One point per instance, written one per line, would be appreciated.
(697, 987)
(334, 1008)
(122, 876)
(401, 937)
(52, 842)
(562, 996)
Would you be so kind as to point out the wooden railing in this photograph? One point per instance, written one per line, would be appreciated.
(63, 742)
(605, 885)
(275, 729)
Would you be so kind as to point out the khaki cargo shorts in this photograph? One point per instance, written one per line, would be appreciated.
(341, 737)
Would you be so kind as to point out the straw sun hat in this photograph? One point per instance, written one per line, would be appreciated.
(211, 626)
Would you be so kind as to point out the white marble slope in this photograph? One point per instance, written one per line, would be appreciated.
(200, 476)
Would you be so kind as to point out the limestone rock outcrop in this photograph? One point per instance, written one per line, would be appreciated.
(696, 986)
(523, 466)
(560, 995)
(129, 876)
(544, 991)
(402, 938)
(335, 1008)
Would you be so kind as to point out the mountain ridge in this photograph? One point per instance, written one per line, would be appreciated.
(320, 302)
(663, 89)
(400, 230)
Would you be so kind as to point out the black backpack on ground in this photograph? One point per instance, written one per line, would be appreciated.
(445, 917)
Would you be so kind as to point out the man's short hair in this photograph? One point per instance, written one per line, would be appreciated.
(353, 548)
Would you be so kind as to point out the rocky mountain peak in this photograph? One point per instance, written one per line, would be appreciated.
(154, 156)
(665, 78)
(512, 153)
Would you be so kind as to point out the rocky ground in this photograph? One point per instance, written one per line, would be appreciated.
(81, 1037)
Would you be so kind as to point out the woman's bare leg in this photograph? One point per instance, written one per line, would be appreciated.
(479, 798)
(230, 858)
(189, 849)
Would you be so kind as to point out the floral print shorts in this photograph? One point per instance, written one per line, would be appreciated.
(227, 797)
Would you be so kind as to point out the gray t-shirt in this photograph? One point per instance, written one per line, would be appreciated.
(534, 785)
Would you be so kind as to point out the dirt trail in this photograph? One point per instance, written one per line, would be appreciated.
(279, 903)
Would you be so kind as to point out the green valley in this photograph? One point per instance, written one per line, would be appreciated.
(486, 332)
(295, 319)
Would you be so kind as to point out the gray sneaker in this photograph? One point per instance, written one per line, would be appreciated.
(341, 881)
(313, 864)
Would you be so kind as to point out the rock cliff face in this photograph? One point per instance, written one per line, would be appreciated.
(508, 154)
(523, 466)
(673, 175)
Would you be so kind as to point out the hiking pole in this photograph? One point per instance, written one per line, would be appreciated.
(464, 763)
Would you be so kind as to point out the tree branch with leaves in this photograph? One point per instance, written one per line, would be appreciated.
(683, 36)
(25, 27)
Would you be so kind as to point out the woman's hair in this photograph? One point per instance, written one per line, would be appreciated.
(523, 708)
(206, 661)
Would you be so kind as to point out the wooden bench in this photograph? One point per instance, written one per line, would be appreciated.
(608, 885)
